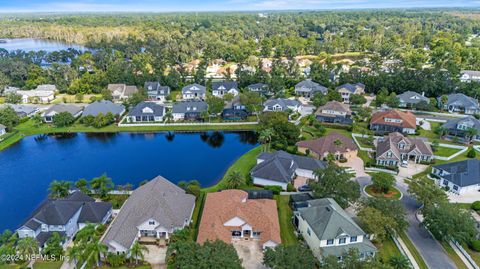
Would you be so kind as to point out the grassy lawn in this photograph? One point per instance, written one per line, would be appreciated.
(475, 255)
(364, 142)
(445, 152)
(47, 265)
(455, 258)
(392, 194)
(197, 213)
(387, 250)
(243, 165)
(285, 215)
(416, 255)
(68, 98)
(125, 267)
(11, 266)
(29, 128)
(364, 156)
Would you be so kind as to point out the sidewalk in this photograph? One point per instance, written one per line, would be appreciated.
(460, 254)
(407, 253)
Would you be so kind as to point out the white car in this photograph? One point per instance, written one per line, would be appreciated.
(404, 163)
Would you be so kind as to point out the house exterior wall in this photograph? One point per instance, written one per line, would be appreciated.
(27, 232)
(265, 182)
(304, 173)
(311, 238)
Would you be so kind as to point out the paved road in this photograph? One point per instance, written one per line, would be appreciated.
(432, 252)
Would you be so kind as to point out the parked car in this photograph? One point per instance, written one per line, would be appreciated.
(404, 163)
(304, 188)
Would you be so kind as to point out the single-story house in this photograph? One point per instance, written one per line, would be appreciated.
(334, 112)
(339, 146)
(146, 112)
(309, 88)
(459, 102)
(50, 113)
(281, 104)
(459, 127)
(10, 90)
(156, 92)
(469, 76)
(151, 214)
(64, 215)
(462, 177)
(23, 110)
(3, 129)
(329, 231)
(103, 107)
(346, 90)
(396, 148)
(220, 88)
(189, 110)
(121, 92)
(43, 94)
(280, 168)
(411, 99)
(231, 215)
(393, 121)
(194, 91)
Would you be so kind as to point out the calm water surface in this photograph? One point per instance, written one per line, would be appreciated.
(32, 44)
(28, 167)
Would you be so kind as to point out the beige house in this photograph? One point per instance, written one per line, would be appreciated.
(339, 146)
(347, 90)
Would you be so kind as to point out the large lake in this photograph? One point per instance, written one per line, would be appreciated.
(28, 167)
(32, 44)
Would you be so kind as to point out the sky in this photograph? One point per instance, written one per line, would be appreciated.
(217, 5)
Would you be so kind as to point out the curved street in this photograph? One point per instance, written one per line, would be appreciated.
(431, 251)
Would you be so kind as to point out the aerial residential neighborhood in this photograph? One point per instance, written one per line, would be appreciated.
(291, 134)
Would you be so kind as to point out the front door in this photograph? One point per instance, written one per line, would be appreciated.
(247, 233)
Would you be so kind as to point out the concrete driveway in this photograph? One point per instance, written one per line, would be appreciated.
(356, 164)
(412, 169)
(250, 253)
(156, 256)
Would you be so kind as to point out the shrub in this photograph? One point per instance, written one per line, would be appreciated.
(275, 189)
(472, 153)
(476, 206)
(290, 187)
(475, 245)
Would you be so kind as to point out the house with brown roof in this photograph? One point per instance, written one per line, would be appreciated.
(121, 91)
(395, 148)
(231, 216)
(339, 146)
(334, 112)
(393, 121)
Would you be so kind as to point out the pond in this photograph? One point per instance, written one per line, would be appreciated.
(32, 44)
(28, 167)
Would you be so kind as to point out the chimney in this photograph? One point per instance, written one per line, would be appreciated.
(423, 93)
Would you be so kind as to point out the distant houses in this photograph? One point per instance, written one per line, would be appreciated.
(3, 129)
(393, 121)
(234, 215)
(189, 110)
(282, 105)
(469, 76)
(411, 99)
(467, 128)
(260, 88)
(309, 88)
(151, 214)
(329, 231)
(155, 91)
(281, 168)
(462, 177)
(194, 91)
(459, 102)
(50, 113)
(337, 145)
(146, 112)
(65, 216)
(103, 107)
(334, 112)
(121, 92)
(43, 94)
(347, 90)
(395, 148)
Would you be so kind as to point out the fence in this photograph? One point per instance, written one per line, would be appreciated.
(466, 255)
(354, 136)
(443, 158)
(187, 124)
(375, 169)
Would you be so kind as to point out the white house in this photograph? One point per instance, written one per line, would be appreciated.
(220, 88)
(194, 91)
(461, 177)
(3, 129)
(280, 104)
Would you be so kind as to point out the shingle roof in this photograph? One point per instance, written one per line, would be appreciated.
(72, 109)
(460, 99)
(194, 88)
(326, 144)
(284, 103)
(257, 87)
(391, 141)
(410, 97)
(351, 87)
(337, 251)
(468, 121)
(42, 237)
(157, 109)
(225, 205)
(159, 199)
(195, 106)
(103, 107)
(310, 86)
(462, 173)
(94, 212)
(408, 118)
(335, 106)
(227, 84)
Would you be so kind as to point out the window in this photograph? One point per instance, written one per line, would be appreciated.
(445, 182)
(455, 187)
(389, 154)
(342, 240)
(151, 222)
(329, 242)
(353, 239)
(236, 233)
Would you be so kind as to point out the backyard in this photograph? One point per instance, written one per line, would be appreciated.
(285, 215)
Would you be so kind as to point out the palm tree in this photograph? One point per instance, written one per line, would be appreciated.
(59, 189)
(136, 251)
(27, 246)
(95, 251)
(470, 133)
(235, 180)
(265, 137)
(102, 185)
(399, 262)
(337, 142)
(168, 117)
(74, 253)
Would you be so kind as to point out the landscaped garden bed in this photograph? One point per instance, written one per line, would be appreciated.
(393, 193)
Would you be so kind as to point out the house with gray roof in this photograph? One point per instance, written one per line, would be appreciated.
(65, 216)
(261, 88)
(152, 212)
(281, 104)
(3, 129)
(334, 112)
(220, 88)
(23, 110)
(347, 90)
(459, 127)
(411, 99)
(393, 149)
(280, 168)
(461, 177)
(329, 231)
(309, 88)
(459, 102)
(194, 91)
(469, 76)
(121, 92)
(50, 113)
(189, 110)
(155, 91)
(103, 107)
(146, 112)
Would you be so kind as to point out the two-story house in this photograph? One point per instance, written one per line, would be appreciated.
(156, 92)
(65, 216)
(395, 148)
(220, 88)
(146, 112)
(462, 177)
(459, 102)
(234, 215)
(334, 112)
(309, 88)
(189, 110)
(329, 231)
(460, 127)
(393, 121)
(194, 91)
(151, 214)
(282, 105)
(346, 90)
